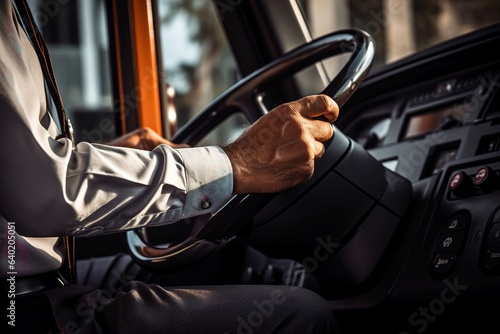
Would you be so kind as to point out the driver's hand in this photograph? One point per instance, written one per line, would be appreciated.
(142, 138)
(278, 151)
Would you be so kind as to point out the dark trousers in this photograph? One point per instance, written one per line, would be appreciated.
(117, 296)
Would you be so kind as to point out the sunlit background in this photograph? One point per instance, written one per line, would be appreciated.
(197, 61)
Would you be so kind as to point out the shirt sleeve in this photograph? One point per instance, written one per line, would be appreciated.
(208, 188)
(51, 189)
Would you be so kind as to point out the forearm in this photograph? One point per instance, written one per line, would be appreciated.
(51, 189)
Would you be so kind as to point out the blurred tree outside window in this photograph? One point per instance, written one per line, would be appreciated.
(197, 60)
(401, 27)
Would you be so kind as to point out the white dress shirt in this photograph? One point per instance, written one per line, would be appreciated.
(48, 189)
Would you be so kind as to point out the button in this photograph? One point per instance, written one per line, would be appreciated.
(492, 256)
(206, 204)
(451, 241)
(456, 180)
(494, 234)
(486, 179)
(460, 184)
(457, 222)
(444, 262)
(481, 175)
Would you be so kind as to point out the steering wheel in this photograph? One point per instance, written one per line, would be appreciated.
(207, 233)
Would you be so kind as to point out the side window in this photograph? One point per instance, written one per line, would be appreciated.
(197, 61)
(77, 38)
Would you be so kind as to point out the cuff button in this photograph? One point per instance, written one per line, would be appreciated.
(206, 204)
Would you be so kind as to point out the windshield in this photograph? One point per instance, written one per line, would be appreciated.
(401, 27)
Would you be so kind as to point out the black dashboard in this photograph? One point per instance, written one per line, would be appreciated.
(428, 125)
(435, 119)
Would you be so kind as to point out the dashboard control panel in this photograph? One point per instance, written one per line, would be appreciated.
(450, 242)
(443, 136)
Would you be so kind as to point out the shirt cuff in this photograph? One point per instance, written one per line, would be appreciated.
(209, 179)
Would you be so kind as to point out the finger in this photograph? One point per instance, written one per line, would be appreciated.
(319, 150)
(318, 105)
(320, 130)
(174, 145)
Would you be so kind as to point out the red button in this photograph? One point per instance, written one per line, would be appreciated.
(456, 180)
(460, 184)
(486, 179)
(481, 175)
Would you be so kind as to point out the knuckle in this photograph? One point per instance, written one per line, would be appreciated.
(308, 153)
(289, 109)
(308, 172)
(294, 127)
(145, 131)
(325, 102)
(328, 131)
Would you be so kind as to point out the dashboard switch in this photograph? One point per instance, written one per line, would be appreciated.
(486, 179)
(450, 241)
(444, 262)
(490, 252)
(494, 234)
(492, 256)
(460, 184)
(457, 222)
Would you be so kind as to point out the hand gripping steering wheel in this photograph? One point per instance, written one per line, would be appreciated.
(208, 233)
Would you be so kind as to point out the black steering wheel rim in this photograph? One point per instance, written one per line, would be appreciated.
(209, 232)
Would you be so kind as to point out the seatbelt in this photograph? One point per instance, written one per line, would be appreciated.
(66, 131)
